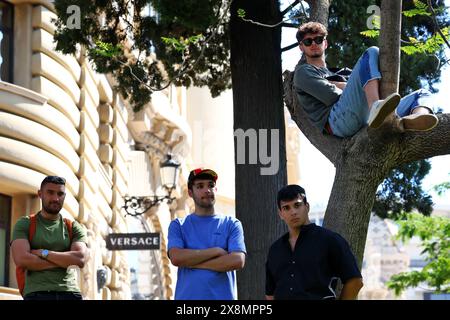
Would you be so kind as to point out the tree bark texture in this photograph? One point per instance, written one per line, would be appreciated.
(389, 43)
(319, 11)
(258, 104)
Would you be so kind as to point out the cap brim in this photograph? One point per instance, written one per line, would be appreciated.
(203, 173)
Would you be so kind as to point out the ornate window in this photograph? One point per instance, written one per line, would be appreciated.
(6, 41)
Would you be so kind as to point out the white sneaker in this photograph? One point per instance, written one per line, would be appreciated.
(419, 122)
(381, 109)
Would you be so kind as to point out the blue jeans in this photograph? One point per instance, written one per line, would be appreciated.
(350, 113)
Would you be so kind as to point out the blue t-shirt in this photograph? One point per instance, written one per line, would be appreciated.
(203, 232)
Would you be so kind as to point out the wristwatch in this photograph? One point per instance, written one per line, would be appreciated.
(44, 253)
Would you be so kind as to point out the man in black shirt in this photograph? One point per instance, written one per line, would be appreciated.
(306, 262)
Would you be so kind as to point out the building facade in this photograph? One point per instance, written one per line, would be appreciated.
(59, 117)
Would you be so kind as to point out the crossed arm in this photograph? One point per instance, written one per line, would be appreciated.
(29, 259)
(215, 259)
(339, 84)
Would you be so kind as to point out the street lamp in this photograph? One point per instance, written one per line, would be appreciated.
(136, 206)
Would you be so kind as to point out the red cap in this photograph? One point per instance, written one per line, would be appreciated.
(201, 173)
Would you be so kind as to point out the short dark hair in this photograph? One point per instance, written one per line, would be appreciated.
(53, 179)
(290, 192)
(310, 27)
(203, 176)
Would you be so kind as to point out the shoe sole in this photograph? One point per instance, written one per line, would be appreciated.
(420, 122)
(389, 105)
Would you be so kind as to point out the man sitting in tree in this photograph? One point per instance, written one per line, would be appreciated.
(342, 108)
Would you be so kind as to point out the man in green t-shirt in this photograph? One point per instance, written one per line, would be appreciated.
(51, 251)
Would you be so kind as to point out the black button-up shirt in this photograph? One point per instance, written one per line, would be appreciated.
(319, 257)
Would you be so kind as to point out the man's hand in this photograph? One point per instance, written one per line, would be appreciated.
(191, 257)
(77, 256)
(29, 259)
(36, 252)
(228, 262)
(351, 288)
(340, 85)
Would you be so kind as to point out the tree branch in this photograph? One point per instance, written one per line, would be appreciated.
(389, 43)
(289, 47)
(293, 4)
(330, 146)
(436, 25)
(319, 11)
(290, 25)
(423, 145)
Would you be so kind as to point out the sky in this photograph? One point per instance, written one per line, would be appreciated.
(317, 172)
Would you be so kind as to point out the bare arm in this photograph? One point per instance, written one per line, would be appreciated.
(24, 258)
(269, 297)
(76, 256)
(191, 257)
(340, 85)
(351, 288)
(229, 262)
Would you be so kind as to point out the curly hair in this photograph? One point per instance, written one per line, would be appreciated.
(310, 27)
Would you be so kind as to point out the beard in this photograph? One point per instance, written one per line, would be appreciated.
(315, 55)
(202, 203)
(52, 208)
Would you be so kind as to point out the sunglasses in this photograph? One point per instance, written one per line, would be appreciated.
(309, 41)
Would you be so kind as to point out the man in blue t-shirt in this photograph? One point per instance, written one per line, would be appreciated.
(206, 247)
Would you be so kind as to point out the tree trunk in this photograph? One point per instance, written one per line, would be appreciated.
(319, 10)
(389, 43)
(258, 104)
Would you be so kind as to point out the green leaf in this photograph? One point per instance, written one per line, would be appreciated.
(107, 50)
(419, 4)
(442, 188)
(370, 33)
(434, 233)
(420, 10)
(429, 46)
(241, 13)
(181, 44)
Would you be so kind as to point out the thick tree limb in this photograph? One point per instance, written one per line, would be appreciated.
(389, 43)
(417, 146)
(329, 144)
(319, 10)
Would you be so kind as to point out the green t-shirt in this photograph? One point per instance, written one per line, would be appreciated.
(53, 236)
